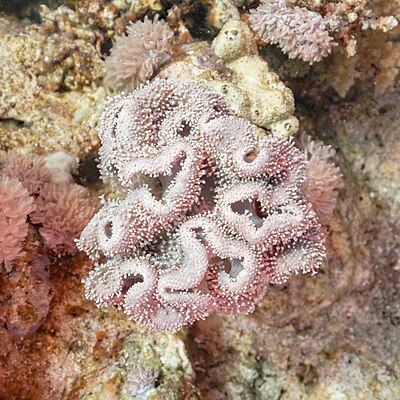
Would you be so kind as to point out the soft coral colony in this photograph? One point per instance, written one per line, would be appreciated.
(41, 213)
(212, 211)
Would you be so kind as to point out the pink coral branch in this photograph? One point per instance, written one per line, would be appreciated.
(30, 170)
(63, 211)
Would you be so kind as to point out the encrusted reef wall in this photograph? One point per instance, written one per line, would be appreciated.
(333, 335)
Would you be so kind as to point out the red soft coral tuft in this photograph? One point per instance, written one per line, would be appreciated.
(15, 205)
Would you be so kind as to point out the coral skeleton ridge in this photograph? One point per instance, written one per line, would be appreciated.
(213, 212)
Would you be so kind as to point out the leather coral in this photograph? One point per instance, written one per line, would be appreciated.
(211, 212)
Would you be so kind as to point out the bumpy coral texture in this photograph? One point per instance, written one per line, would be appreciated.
(299, 32)
(141, 382)
(218, 217)
(136, 56)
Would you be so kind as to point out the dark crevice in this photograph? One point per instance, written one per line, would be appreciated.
(129, 282)
(87, 174)
(13, 121)
(194, 14)
(27, 9)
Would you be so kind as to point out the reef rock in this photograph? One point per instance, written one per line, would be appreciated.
(50, 92)
(233, 69)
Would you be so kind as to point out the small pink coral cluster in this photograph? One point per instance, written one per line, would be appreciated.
(136, 56)
(38, 216)
(299, 32)
(27, 194)
(323, 178)
(212, 212)
(21, 179)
